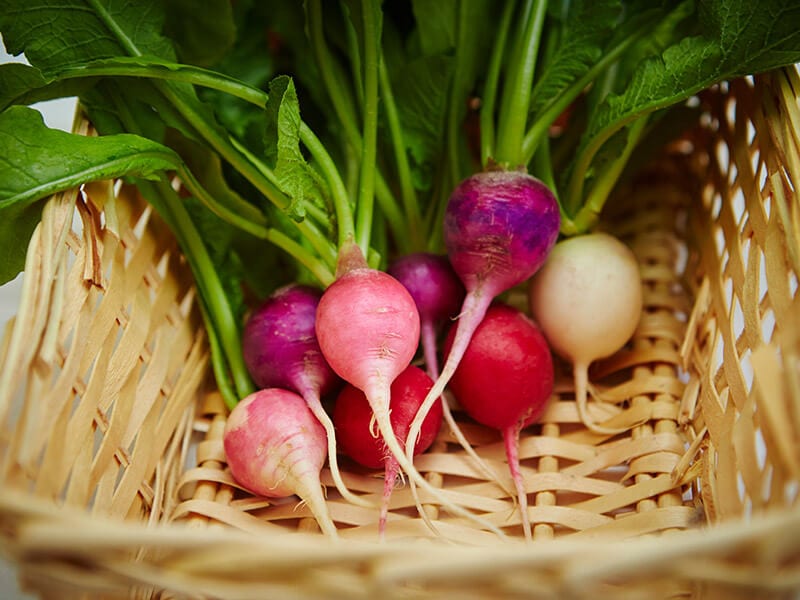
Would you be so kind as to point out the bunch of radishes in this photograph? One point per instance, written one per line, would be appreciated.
(500, 227)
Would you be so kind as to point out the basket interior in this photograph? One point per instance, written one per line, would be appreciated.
(107, 404)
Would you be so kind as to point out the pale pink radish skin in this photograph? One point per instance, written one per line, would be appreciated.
(368, 330)
(499, 228)
(504, 381)
(354, 422)
(587, 299)
(275, 448)
(281, 350)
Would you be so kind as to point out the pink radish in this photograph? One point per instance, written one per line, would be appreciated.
(281, 350)
(499, 227)
(355, 427)
(275, 447)
(504, 381)
(368, 330)
(587, 298)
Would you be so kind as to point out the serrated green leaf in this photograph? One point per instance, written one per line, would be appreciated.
(582, 34)
(202, 36)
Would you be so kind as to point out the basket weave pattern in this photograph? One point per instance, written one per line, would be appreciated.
(114, 476)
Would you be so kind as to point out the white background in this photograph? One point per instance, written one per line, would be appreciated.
(57, 113)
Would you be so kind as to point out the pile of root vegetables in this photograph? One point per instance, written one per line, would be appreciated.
(357, 186)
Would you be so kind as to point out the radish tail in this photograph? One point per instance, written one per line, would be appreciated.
(378, 398)
(581, 377)
(476, 303)
(389, 479)
(316, 408)
(428, 335)
(511, 439)
(310, 491)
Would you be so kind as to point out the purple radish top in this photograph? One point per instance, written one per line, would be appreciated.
(432, 282)
(499, 228)
(280, 343)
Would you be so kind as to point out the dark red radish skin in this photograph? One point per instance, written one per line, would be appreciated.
(281, 350)
(504, 381)
(499, 227)
(354, 423)
(275, 447)
(368, 330)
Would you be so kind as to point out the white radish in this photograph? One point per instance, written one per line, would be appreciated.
(587, 299)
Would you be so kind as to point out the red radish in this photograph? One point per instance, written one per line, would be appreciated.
(355, 427)
(275, 447)
(368, 330)
(499, 227)
(587, 299)
(504, 381)
(281, 350)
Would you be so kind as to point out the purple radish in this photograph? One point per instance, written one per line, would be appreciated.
(354, 424)
(504, 381)
(368, 330)
(438, 293)
(275, 447)
(499, 227)
(281, 350)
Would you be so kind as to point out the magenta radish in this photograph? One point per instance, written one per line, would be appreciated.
(499, 227)
(504, 381)
(275, 447)
(354, 422)
(587, 299)
(368, 330)
(438, 293)
(281, 350)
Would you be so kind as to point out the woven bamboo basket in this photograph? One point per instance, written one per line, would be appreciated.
(114, 481)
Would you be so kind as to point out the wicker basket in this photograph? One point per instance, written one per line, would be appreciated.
(113, 473)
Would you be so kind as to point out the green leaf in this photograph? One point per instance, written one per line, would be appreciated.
(733, 38)
(581, 37)
(422, 106)
(57, 34)
(38, 161)
(202, 36)
(295, 176)
(437, 25)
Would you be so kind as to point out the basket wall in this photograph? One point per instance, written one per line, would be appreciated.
(114, 476)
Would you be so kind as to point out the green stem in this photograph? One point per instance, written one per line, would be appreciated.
(489, 99)
(413, 221)
(517, 95)
(331, 73)
(456, 102)
(595, 200)
(318, 268)
(366, 183)
(220, 316)
(559, 104)
(327, 167)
